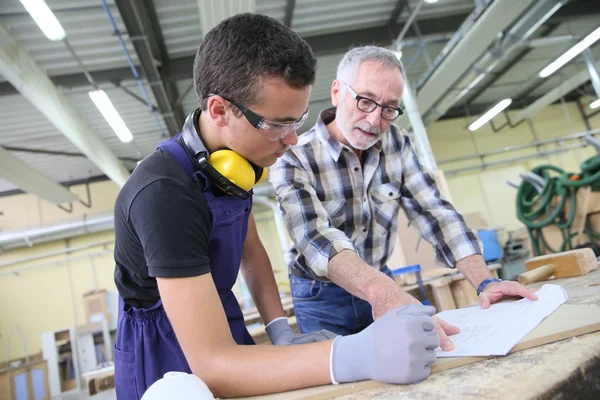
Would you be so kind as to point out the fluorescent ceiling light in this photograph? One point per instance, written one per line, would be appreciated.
(497, 109)
(571, 53)
(398, 54)
(45, 19)
(111, 115)
(431, 1)
(595, 104)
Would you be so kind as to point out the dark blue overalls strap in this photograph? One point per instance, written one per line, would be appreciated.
(178, 153)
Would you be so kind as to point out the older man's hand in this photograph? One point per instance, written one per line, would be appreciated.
(388, 300)
(497, 291)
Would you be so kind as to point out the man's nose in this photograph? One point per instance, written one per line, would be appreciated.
(374, 117)
(290, 139)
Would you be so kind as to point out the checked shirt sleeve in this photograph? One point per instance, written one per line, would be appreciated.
(435, 218)
(306, 217)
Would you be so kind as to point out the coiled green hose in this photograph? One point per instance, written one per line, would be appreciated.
(546, 208)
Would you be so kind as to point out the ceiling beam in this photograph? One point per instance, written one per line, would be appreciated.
(182, 68)
(555, 94)
(574, 9)
(494, 76)
(397, 11)
(498, 16)
(32, 181)
(146, 42)
(290, 6)
(163, 57)
(17, 66)
(475, 110)
(67, 184)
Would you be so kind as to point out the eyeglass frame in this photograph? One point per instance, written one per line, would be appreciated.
(383, 107)
(261, 123)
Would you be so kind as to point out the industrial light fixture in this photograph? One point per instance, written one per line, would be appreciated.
(45, 19)
(431, 1)
(570, 54)
(595, 104)
(497, 109)
(111, 115)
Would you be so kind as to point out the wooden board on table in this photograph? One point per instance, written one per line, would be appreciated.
(566, 322)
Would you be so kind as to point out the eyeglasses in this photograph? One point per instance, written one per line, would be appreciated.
(367, 105)
(274, 130)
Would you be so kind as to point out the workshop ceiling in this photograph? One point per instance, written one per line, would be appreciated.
(154, 107)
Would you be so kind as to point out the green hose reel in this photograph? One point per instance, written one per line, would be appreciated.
(539, 209)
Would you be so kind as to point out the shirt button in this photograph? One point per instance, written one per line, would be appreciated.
(364, 229)
(391, 194)
(356, 168)
(365, 199)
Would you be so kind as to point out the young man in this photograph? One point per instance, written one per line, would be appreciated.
(340, 190)
(183, 226)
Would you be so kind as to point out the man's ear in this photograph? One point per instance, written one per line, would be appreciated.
(216, 108)
(336, 91)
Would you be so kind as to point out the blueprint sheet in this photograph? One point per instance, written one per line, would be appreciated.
(493, 332)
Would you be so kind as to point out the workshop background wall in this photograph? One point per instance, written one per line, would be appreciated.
(50, 298)
(486, 191)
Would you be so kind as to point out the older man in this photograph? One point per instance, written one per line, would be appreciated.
(340, 189)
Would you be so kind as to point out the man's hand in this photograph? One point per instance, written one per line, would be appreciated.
(397, 298)
(397, 348)
(281, 334)
(496, 291)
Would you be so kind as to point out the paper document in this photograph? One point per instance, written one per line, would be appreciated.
(493, 332)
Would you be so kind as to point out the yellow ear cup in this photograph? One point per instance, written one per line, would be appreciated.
(233, 167)
(263, 175)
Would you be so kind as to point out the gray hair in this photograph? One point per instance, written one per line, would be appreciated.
(352, 59)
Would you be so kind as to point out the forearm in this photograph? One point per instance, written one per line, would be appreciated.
(474, 269)
(349, 271)
(258, 275)
(252, 370)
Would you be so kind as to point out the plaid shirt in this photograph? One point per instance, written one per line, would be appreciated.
(330, 202)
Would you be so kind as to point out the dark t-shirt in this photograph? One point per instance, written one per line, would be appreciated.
(162, 227)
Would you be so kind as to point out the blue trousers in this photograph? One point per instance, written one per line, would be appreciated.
(319, 305)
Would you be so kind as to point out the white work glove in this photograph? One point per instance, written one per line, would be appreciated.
(397, 348)
(281, 334)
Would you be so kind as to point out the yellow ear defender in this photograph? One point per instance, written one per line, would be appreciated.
(228, 170)
(236, 168)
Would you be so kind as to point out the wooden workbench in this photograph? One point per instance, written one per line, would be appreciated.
(569, 369)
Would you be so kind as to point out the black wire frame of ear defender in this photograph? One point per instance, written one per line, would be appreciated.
(192, 142)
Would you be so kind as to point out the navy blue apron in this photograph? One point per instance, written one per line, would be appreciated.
(146, 347)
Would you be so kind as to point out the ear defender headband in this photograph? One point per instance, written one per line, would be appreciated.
(231, 172)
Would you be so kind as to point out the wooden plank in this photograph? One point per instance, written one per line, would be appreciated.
(566, 322)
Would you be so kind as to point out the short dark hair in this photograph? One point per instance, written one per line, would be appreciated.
(241, 50)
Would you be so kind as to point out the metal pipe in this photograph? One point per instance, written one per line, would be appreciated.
(88, 224)
(521, 146)
(513, 184)
(408, 23)
(533, 180)
(17, 271)
(279, 224)
(457, 171)
(422, 144)
(551, 40)
(56, 253)
(591, 65)
(592, 141)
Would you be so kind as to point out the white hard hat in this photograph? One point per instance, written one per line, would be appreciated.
(180, 386)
